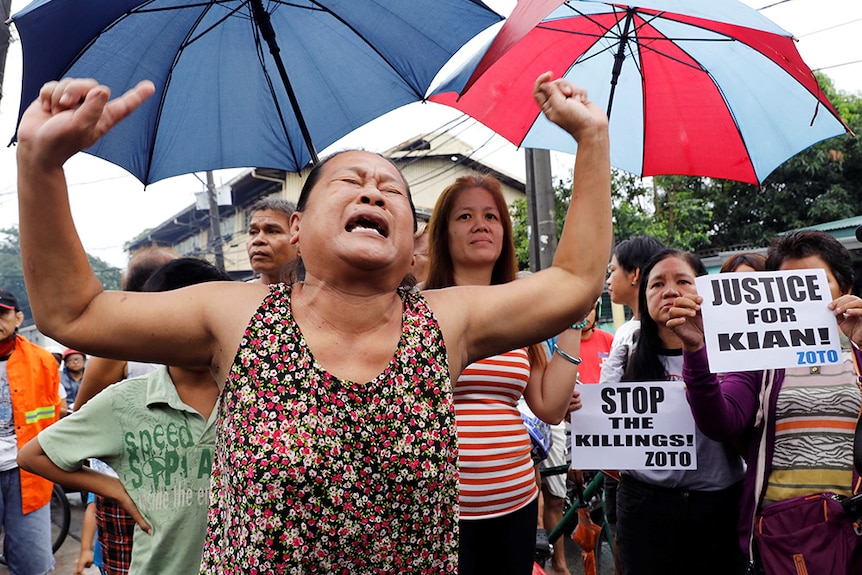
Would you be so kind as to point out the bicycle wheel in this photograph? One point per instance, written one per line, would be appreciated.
(61, 516)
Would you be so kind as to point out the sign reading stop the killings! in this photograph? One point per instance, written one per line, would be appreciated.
(632, 425)
(766, 320)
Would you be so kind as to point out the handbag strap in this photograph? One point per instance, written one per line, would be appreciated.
(761, 418)
(857, 437)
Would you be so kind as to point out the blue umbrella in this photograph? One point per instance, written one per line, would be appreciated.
(239, 83)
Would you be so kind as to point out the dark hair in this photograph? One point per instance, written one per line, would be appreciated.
(317, 169)
(143, 264)
(441, 269)
(644, 363)
(806, 243)
(183, 272)
(272, 204)
(634, 253)
(753, 260)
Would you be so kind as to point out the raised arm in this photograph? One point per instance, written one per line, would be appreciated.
(68, 116)
(481, 321)
(187, 327)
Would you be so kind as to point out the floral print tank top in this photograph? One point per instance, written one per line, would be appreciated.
(314, 474)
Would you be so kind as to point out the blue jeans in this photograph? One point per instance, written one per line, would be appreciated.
(27, 542)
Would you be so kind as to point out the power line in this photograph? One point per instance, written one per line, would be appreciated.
(829, 28)
(837, 65)
(771, 5)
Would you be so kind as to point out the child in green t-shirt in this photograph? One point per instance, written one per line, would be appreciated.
(158, 433)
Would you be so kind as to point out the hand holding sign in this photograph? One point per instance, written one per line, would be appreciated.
(848, 312)
(686, 321)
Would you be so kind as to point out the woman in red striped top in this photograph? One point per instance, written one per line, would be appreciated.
(471, 244)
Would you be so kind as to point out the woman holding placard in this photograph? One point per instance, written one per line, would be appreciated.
(809, 413)
(676, 520)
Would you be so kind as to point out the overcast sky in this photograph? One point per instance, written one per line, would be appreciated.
(110, 207)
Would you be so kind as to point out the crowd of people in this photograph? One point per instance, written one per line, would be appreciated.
(357, 407)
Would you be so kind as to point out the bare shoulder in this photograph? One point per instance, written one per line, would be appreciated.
(452, 307)
(234, 302)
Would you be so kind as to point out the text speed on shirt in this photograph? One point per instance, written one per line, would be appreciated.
(633, 426)
(763, 320)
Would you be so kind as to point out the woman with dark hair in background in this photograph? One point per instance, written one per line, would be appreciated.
(744, 262)
(676, 521)
(624, 278)
(811, 410)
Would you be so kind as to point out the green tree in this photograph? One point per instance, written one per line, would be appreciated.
(819, 184)
(673, 209)
(12, 277)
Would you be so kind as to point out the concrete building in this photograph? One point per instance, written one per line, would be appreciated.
(429, 164)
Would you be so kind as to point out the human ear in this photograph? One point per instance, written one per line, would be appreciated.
(293, 229)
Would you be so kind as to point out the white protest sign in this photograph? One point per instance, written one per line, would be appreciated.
(765, 320)
(633, 426)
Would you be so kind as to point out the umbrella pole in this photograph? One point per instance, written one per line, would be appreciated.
(261, 17)
(620, 57)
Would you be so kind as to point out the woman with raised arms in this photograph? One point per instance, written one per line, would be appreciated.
(337, 446)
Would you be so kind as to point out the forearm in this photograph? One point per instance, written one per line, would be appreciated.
(60, 282)
(32, 458)
(585, 244)
(88, 528)
(67, 117)
(558, 380)
(722, 410)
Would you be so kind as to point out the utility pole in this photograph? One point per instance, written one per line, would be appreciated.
(5, 39)
(215, 222)
(540, 209)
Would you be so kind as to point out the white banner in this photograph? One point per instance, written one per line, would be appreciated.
(633, 426)
(765, 320)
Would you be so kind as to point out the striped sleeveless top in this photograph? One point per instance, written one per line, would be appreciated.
(496, 472)
(814, 425)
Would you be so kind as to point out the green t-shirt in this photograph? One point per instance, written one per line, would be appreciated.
(162, 451)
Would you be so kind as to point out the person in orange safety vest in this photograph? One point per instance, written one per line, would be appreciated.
(29, 402)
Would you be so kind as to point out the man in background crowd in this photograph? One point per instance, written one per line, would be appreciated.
(29, 402)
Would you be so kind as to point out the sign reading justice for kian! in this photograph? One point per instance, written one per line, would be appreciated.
(765, 320)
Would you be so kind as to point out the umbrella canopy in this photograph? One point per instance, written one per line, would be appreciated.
(707, 88)
(239, 83)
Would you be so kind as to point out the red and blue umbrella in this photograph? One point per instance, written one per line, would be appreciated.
(707, 88)
(243, 83)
